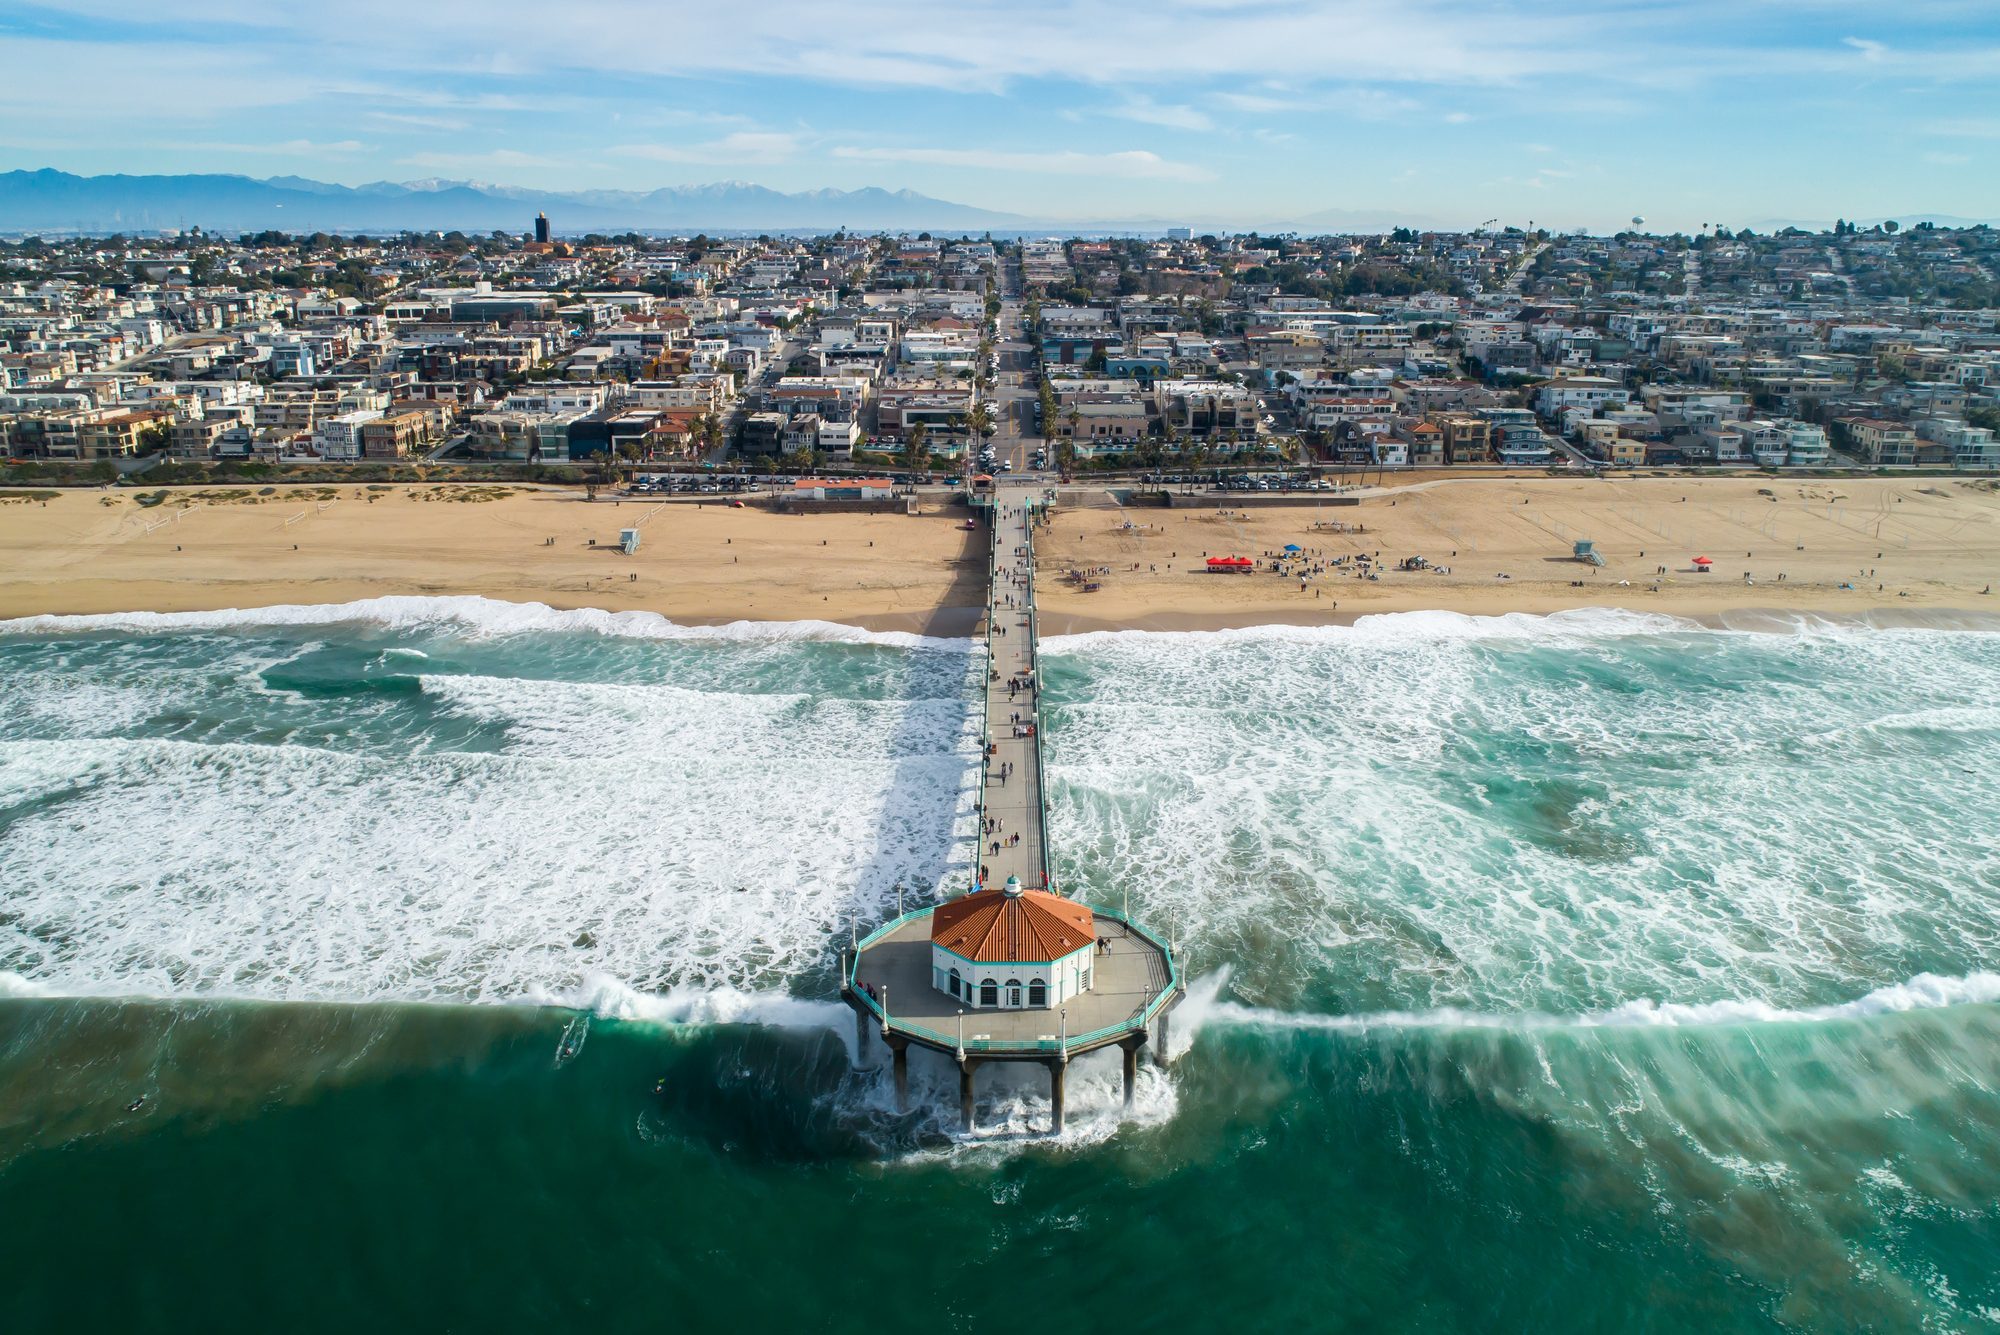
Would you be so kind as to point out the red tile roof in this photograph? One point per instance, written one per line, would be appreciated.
(992, 927)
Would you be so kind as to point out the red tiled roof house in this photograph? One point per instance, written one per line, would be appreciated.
(1011, 948)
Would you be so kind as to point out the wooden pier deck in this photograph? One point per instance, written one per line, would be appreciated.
(1011, 788)
(888, 978)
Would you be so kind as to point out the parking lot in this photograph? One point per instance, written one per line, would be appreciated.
(676, 484)
(1244, 482)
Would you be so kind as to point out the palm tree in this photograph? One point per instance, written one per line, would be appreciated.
(1197, 458)
(916, 449)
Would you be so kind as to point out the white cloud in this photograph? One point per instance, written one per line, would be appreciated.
(308, 146)
(499, 159)
(1965, 128)
(44, 80)
(1947, 159)
(1359, 102)
(1372, 104)
(289, 148)
(1148, 112)
(448, 100)
(965, 45)
(1135, 164)
(411, 121)
(745, 148)
(1267, 103)
(668, 81)
(989, 45)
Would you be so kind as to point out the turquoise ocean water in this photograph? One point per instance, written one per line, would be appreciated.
(445, 965)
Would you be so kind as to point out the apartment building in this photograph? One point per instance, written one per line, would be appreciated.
(1205, 407)
(1882, 442)
(399, 434)
(339, 436)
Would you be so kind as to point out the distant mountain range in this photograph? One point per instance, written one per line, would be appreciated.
(54, 201)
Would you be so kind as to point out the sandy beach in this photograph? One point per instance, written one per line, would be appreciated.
(208, 549)
(1878, 547)
(1843, 548)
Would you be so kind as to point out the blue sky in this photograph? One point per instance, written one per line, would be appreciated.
(1220, 112)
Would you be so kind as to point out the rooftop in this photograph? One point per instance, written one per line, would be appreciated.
(1128, 977)
(995, 926)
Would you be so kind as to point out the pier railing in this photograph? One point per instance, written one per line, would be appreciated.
(993, 614)
(986, 671)
(1035, 695)
(1140, 1018)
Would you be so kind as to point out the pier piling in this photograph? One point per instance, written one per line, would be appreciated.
(900, 1047)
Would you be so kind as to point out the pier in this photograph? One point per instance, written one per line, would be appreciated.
(1012, 969)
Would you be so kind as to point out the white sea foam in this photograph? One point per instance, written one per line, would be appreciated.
(660, 835)
(1924, 992)
(1405, 626)
(1012, 1111)
(14, 986)
(601, 994)
(1563, 624)
(470, 614)
(1565, 818)
(1528, 821)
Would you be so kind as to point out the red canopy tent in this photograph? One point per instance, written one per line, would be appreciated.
(1230, 563)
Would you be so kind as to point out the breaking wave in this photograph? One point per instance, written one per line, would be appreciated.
(1924, 992)
(473, 615)
(1425, 816)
